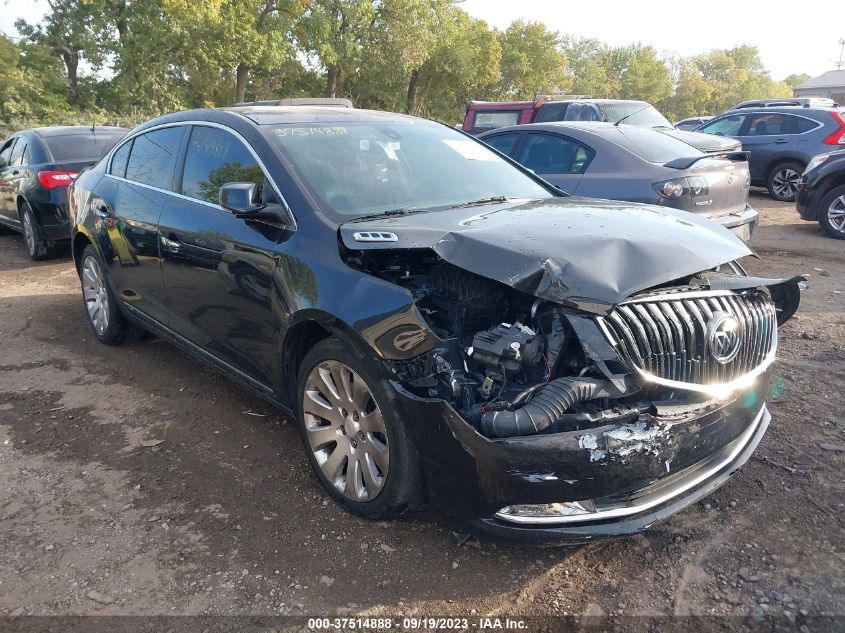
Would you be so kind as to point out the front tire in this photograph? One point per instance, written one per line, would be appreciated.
(358, 446)
(782, 182)
(832, 213)
(37, 247)
(104, 315)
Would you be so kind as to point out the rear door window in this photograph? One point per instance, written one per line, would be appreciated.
(503, 142)
(552, 154)
(763, 124)
(152, 160)
(727, 126)
(492, 120)
(801, 124)
(215, 157)
(119, 160)
(18, 156)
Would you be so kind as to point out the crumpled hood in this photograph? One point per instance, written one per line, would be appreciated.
(705, 142)
(581, 252)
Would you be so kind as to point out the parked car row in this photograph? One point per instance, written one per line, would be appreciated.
(781, 141)
(779, 135)
(36, 167)
(482, 116)
(440, 320)
(623, 162)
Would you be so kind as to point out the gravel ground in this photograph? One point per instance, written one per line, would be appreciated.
(136, 481)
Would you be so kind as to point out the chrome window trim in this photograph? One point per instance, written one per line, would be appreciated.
(225, 128)
(624, 511)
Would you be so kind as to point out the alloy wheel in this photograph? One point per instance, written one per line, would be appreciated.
(785, 182)
(836, 214)
(346, 430)
(28, 233)
(95, 294)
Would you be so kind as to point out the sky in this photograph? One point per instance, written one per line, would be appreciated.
(792, 38)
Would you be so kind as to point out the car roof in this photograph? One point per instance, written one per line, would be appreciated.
(257, 115)
(598, 128)
(74, 130)
(786, 109)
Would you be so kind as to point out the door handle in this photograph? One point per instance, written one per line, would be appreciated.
(781, 141)
(171, 245)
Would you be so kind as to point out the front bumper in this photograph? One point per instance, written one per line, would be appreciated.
(742, 224)
(636, 471)
(804, 201)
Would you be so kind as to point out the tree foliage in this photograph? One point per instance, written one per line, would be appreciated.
(126, 60)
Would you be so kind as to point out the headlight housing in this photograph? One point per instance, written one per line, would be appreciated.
(815, 161)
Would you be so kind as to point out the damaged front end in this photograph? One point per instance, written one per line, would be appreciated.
(565, 419)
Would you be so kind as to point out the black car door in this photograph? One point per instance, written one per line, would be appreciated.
(218, 267)
(11, 176)
(128, 203)
(6, 190)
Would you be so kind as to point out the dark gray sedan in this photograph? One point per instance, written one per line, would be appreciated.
(623, 162)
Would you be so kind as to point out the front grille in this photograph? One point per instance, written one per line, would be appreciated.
(671, 337)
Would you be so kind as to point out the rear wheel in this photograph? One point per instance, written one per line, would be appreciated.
(104, 315)
(832, 213)
(359, 448)
(37, 247)
(783, 181)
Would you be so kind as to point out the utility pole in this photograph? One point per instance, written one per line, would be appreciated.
(841, 61)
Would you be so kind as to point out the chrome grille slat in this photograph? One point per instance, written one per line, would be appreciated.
(665, 336)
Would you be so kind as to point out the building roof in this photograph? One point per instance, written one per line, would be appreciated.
(830, 79)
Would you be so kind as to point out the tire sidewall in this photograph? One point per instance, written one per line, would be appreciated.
(115, 331)
(403, 487)
(39, 247)
(824, 222)
(795, 166)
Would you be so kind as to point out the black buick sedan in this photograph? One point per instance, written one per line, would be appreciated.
(36, 167)
(437, 319)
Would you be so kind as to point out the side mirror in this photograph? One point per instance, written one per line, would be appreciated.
(240, 198)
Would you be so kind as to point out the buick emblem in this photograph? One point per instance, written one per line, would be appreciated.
(724, 337)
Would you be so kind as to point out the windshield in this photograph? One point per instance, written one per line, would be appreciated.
(81, 147)
(640, 114)
(652, 146)
(366, 168)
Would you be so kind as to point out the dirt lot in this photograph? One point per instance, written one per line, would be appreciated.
(134, 480)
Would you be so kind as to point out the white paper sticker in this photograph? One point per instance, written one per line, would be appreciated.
(471, 150)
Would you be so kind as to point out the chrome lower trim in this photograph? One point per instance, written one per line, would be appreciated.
(629, 510)
(719, 390)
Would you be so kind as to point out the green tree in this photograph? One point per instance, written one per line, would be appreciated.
(638, 73)
(68, 31)
(796, 80)
(532, 61)
(335, 33)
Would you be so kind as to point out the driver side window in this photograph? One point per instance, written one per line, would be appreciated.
(727, 126)
(214, 158)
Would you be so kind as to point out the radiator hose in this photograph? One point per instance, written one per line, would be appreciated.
(544, 408)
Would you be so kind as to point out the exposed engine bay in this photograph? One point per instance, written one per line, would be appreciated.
(512, 364)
